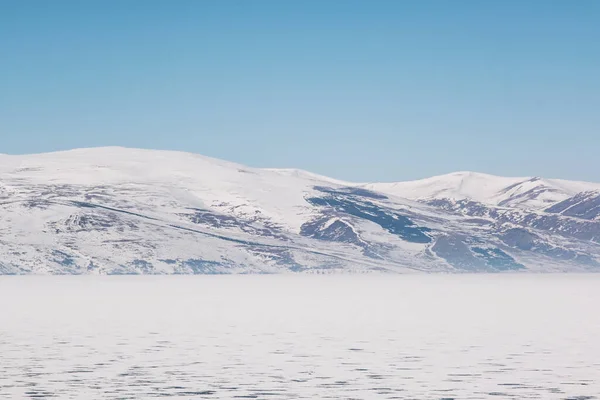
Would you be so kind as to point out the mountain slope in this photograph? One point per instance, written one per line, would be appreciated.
(584, 205)
(528, 193)
(129, 211)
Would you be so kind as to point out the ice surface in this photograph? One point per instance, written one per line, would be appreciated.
(300, 337)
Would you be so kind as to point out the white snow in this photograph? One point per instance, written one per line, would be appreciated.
(487, 189)
(150, 195)
(301, 337)
(189, 177)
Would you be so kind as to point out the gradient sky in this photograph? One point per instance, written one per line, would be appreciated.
(359, 90)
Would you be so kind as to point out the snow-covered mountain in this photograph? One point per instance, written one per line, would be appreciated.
(527, 193)
(128, 211)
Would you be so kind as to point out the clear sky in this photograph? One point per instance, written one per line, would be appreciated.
(360, 90)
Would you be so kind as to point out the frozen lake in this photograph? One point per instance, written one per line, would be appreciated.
(301, 337)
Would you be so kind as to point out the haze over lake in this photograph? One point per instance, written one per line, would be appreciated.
(300, 337)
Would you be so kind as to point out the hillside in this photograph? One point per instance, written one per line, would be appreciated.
(130, 211)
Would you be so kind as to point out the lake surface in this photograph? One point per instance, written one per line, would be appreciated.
(301, 337)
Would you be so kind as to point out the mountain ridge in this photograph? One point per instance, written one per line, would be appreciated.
(117, 210)
(489, 189)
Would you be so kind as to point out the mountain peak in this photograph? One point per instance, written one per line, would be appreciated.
(121, 210)
(525, 192)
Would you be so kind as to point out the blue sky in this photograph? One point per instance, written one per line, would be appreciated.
(360, 90)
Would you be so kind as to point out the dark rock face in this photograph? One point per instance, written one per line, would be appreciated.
(552, 223)
(361, 192)
(525, 240)
(336, 231)
(584, 205)
(525, 230)
(496, 259)
(202, 266)
(206, 217)
(120, 230)
(458, 253)
(519, 238)
(342, 203)
(527, 195)
(7, 269)
(254, 226)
